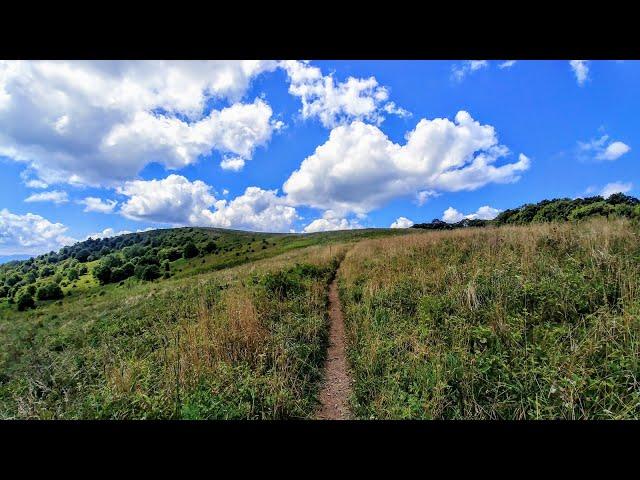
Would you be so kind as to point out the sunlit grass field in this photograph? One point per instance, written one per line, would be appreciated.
(225, 337)
(514, 322)
(531, 322)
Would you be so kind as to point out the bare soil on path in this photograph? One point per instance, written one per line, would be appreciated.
(336, 389)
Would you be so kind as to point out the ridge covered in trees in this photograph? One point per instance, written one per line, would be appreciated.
(144, 255)
(617, 205)
(87, 267)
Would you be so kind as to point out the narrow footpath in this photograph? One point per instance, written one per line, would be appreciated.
(336, 389)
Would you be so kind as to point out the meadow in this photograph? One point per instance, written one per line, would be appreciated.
(520, 322)
(210, 341)
(517, 321)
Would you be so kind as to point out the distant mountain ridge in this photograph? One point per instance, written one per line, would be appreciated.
(13, 258)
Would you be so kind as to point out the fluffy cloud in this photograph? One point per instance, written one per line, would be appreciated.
(107, 233)
(234, 164)
(331, 221)
(451, 215)
(256, 209)
(335, 103)
(173, 200)
(603, 149)
(402, 222)
(178, 201)
(110, 232)
(30, 234)
(359, 168)
(95, 122)
(55, 196)
(615, 187)
(580, 69)
(458, 72)
(507, 64)
(94, 204)
(613, 151)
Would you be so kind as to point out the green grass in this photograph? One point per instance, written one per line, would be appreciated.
(215, 340)
(535, 322)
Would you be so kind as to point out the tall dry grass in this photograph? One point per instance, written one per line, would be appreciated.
(538, 321)
(216, 345)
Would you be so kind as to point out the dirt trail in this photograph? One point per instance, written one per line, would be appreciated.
(334, 395)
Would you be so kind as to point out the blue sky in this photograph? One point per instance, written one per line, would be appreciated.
(302, 146)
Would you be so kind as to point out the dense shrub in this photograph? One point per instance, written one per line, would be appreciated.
(47, 271)
(147, 272)
(12, 279)
(122, 273)
(170, 254)
(102, 273)
(50, 291)
(72, 274)
(190, 250)
(210, 247)
(24, 301)
(82, 255)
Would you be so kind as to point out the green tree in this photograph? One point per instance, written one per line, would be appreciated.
(72, 274)
(102, 273)
(147, 272)
(190, 250)
(210, 246)
(50, 291)
(24, 301)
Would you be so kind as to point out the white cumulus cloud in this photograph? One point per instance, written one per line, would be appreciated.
(331, 221)
(95, 204)
(172, 200)
(177, 201)
(99, 122)
(111, 232)
(359, 168)
(615, 187)
(30, 234)
(235, 164)
(423, 196)
(256, 209)
(35, 183)
(334, 102)
(402, 222)
(451, 215)
(603, 148)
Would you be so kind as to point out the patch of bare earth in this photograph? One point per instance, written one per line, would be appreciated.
(336, 389)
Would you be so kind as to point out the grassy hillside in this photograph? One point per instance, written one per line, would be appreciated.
(536, 321)
(539, 321)
(223, 336)
(95, 265)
